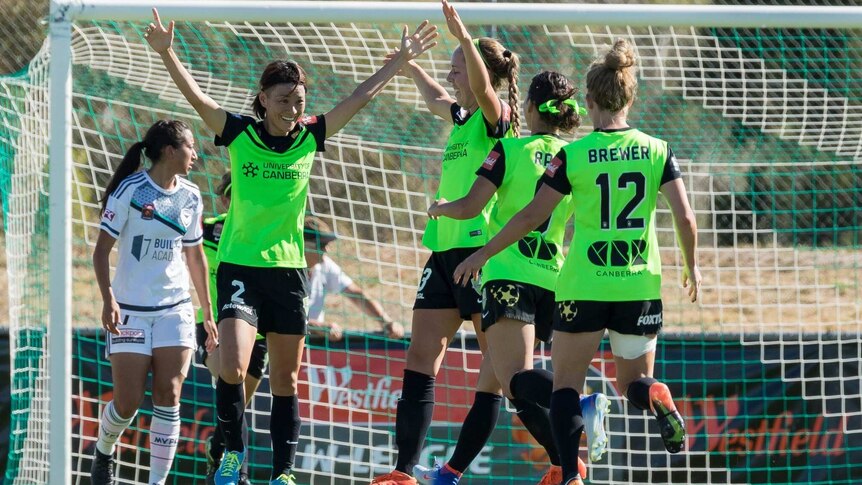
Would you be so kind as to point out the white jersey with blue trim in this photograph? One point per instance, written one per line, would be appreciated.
(153, 225)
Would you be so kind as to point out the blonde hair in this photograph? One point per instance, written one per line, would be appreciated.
(612, 81)
(503, 64)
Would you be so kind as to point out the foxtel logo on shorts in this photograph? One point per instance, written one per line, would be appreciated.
(649, 320)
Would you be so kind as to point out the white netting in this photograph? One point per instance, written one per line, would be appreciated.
(770, 150)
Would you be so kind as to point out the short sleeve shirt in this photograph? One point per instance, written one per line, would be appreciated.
(152, 225)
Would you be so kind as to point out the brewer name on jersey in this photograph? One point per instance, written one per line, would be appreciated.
(618, 154)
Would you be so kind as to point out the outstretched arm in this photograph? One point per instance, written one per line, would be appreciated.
(161, 40)
(466, 207)
(528, 219)
(436, 97)
(686, 231)
(411, 47)
(480, 81)
(374, 309)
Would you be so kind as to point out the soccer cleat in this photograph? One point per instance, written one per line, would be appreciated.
(436, 475)
(394, 478)
(228, 470)
(670, 423)
(594, 409)
(212, 462)
(102, 469)
(283, 479)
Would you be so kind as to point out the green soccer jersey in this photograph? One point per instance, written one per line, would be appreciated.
(515, 166)
(213, 227)
(470, 140)
(614, 177)
(269, 183)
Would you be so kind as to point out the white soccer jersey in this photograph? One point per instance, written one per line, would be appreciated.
(326, 277)
(152, 225)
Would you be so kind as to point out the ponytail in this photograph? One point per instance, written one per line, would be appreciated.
(131, 163)
(163, 133)
(502, 64)
(514, 94)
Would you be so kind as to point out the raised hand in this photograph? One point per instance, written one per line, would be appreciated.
(413, 45)
(453, 21)
(159, 38)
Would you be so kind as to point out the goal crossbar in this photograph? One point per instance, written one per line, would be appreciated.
(633, 15)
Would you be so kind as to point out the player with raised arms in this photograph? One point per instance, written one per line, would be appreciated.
(479, 119)
(262, 277)
(611, 278)
(518, 283)
(147, 309)
(325, 277)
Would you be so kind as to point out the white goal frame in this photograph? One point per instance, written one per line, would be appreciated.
(64, 12)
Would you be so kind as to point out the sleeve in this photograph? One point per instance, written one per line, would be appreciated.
(503, 124)
(316, 125)
(494, 167)
(115, 215)
(234, 124)
(457, 114)
(671, 168)
(555, 175)
(336, 280)
(195, 233)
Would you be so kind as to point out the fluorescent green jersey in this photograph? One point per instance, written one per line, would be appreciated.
(515, 166)
(269, 183)
(213, 227)
(469, 142)
(614, 178)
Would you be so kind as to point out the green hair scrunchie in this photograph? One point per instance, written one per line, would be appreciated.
(550, 106)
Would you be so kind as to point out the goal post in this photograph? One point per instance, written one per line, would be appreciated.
(781, 242)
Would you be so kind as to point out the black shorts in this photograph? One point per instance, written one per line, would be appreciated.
(518, 301)
(639, 317)
(271, 299)
(256, 363)
(437, 289)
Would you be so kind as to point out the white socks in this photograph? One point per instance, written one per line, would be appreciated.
(111, 427)
(164, 435)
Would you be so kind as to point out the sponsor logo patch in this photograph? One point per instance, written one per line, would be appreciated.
(129, 336)
(491, 160)
(147, 212)
(553, 166)
(109, 215)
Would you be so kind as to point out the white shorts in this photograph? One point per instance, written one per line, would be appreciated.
(631, 347)
(141, 334)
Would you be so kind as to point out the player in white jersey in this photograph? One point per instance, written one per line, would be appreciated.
(147, 312)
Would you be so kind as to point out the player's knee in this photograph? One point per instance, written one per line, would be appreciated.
(126, 406)
(421, 356)
(283, 381)
(234, 374)
(167, 392)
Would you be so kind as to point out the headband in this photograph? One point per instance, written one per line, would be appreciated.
(484, 61)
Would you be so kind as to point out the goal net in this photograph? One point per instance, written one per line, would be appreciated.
(767, 124)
